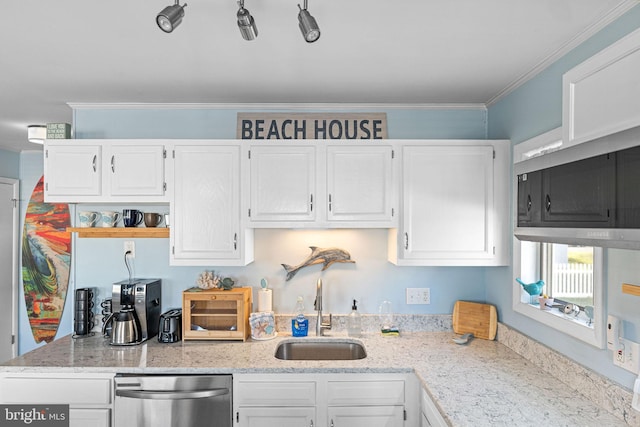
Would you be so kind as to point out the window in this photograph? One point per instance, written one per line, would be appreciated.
(572, 276)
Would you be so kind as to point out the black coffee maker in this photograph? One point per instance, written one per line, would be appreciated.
(144, 296)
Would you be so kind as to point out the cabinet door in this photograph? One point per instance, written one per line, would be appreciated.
(206, 205)
(283, 183)
(366, 416)
(529, 199)
(89, 417)
(600, 96)
(628, 188)
(580, 194)
(276, 417)
(72, 169)
(360, 183)
(448, 204)
(136, 170)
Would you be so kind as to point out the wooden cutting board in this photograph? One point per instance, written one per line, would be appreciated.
(479, 319)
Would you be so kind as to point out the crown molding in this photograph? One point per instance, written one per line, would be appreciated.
(580, 38)
(270, 106)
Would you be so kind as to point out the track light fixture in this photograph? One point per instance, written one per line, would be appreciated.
(170, 17)
(308, 24)
(246, 23)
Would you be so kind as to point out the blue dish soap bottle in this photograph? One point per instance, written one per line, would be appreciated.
(299, 324)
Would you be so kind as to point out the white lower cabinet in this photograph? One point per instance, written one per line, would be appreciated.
(90, 397)
(276, 416)
(327, 400)
(430, 416)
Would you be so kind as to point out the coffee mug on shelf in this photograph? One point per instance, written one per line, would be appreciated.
(109, 218)
(88, 219)
(131, 217)
(152, 219)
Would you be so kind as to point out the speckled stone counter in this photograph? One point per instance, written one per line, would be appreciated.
(484, 383)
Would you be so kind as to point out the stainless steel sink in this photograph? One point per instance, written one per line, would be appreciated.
(320, 350)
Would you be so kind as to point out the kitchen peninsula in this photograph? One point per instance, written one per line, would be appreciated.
(484, 383)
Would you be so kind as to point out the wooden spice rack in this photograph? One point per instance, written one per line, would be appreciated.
(111, 232)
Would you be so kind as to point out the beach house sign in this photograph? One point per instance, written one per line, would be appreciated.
(311, 126)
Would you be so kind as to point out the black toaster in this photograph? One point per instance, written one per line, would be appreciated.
(170, 327)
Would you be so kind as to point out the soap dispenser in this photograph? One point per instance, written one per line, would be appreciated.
(354, 323)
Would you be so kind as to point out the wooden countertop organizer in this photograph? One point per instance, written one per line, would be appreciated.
(216, 314)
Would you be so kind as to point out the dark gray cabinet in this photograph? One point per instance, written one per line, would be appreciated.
(529, 199)
(628, 188)
(579, 194)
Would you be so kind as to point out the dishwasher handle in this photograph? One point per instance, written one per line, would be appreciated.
(172, 395)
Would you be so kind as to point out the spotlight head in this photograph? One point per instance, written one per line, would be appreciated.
(308, 25)
(246, 23)
(170, 17)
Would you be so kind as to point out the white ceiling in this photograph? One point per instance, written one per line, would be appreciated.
(370, 51)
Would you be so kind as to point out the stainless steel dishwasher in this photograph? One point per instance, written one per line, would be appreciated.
(173, 400)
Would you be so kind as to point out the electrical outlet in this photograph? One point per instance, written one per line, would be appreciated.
(418, 296)
(627, 356)
(130, 246)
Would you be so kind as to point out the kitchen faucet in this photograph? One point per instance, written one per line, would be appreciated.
(320, 327)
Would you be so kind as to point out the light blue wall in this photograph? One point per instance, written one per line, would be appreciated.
(535, 108)
(99, 262)
(9, 164)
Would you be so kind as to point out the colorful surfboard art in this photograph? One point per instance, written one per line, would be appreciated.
(46, 256)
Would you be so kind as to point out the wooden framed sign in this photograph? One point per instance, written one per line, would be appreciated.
(311, 126)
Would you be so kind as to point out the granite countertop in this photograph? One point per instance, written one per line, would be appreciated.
(483, 383)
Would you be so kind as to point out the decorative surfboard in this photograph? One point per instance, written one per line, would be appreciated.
(46, 256)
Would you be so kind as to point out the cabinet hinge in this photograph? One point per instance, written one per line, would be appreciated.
(405, 414)
(494, 250)
(164, 186)
(173, 250)
(249, 154)
(164, 154)
(393, 212)
(249, 212)
(13, 339)
(173, 154)
(46, 154)
(15, 203)
(393, 154)
(494, 154)
(46, 186)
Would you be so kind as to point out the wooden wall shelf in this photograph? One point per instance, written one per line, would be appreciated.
(631, 289)
(116, 232)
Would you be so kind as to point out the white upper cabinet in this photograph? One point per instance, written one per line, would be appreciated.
(601, 96)
(454, 203)
(136, 170)
(283, 183)
(78, 171)
(321, 185)
(205, 206)
(71, 170)
(360, 183)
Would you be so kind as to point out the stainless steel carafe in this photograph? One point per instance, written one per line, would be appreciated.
(125, 329)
